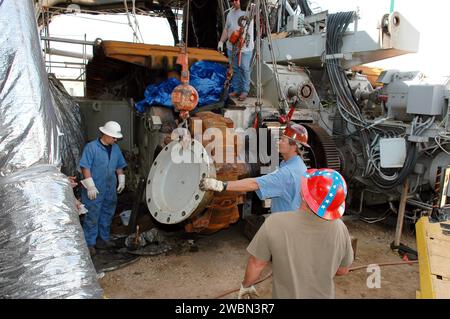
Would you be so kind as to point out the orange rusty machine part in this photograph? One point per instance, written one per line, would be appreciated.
(184, 96)
(223, 208)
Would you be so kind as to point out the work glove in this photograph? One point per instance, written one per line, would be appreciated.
(220, 46)
(80, 207)
(73, 181)
(248, 293)
(211, 184)
(121, 183)
(92, 191)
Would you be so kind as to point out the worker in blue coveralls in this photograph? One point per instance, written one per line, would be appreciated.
(283, 185)
(102, 159)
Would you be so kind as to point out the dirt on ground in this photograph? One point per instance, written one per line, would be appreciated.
(214, 265)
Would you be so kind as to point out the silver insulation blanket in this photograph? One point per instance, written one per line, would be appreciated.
(69, 120)
(43, 253)
(28, 121)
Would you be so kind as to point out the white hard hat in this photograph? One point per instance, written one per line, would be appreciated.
(112, 129)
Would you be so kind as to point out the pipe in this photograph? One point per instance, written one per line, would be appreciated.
(386, 264)
(289, 9)
(362, 198)
(401, 212)
(419, 204)
(76, 55)
(53, 3)
(73, 41)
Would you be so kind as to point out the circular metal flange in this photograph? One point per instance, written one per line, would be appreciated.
(172, 191)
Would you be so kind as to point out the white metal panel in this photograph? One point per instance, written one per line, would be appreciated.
(392, 152)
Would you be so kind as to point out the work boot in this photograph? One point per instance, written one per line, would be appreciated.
(243, 96)
(91, 250)
(104, 244)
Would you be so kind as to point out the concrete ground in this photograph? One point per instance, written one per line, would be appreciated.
(215, 265)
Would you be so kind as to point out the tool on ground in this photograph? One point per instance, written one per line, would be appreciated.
(136, 205)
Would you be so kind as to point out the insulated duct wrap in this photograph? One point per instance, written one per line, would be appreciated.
(69, 119)
(42, 249)
(28, 121)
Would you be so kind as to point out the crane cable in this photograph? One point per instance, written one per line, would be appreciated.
(135, 36)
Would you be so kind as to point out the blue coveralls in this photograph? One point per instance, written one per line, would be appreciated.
(103, 170)
(283, 185)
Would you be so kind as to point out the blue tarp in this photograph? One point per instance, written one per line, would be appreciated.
(207, 77)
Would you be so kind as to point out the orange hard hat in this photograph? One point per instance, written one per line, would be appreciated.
(298, 133)
(324, 191)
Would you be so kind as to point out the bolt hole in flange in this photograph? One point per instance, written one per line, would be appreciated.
(396, 21)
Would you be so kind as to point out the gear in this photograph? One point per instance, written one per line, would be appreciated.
(324, 151)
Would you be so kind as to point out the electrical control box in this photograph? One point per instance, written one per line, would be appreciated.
(425, 99)
(392, 152)
(295, 22)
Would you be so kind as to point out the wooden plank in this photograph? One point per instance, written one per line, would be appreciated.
(440, 266)
(280, 35)
(442, 288)
(436, 231)
(438, 247)
(138, 52)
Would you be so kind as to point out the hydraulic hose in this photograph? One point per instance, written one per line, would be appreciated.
(350, 270)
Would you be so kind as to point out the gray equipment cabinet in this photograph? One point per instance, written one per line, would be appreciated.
(96, 113)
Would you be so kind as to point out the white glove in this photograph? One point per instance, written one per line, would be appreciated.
(92, 191)
(121, 183)
(211, 184)
(248, 293)
(220, 46)
(81, 208)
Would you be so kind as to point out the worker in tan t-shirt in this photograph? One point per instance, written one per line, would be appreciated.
(307, 247)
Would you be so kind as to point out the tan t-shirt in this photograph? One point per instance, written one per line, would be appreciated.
(306, 252)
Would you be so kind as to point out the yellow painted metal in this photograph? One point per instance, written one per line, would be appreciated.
(372, 73)
(426, 284)
(156, 56)
(433, 245)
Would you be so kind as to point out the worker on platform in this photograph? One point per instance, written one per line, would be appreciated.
(240, 46)
(102, 165)
(307, 247)
(283, 185)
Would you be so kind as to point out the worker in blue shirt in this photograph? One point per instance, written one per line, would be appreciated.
(283, 185)
(102, 159)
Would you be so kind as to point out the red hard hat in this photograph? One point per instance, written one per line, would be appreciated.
(324, 190)
(298, 133)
